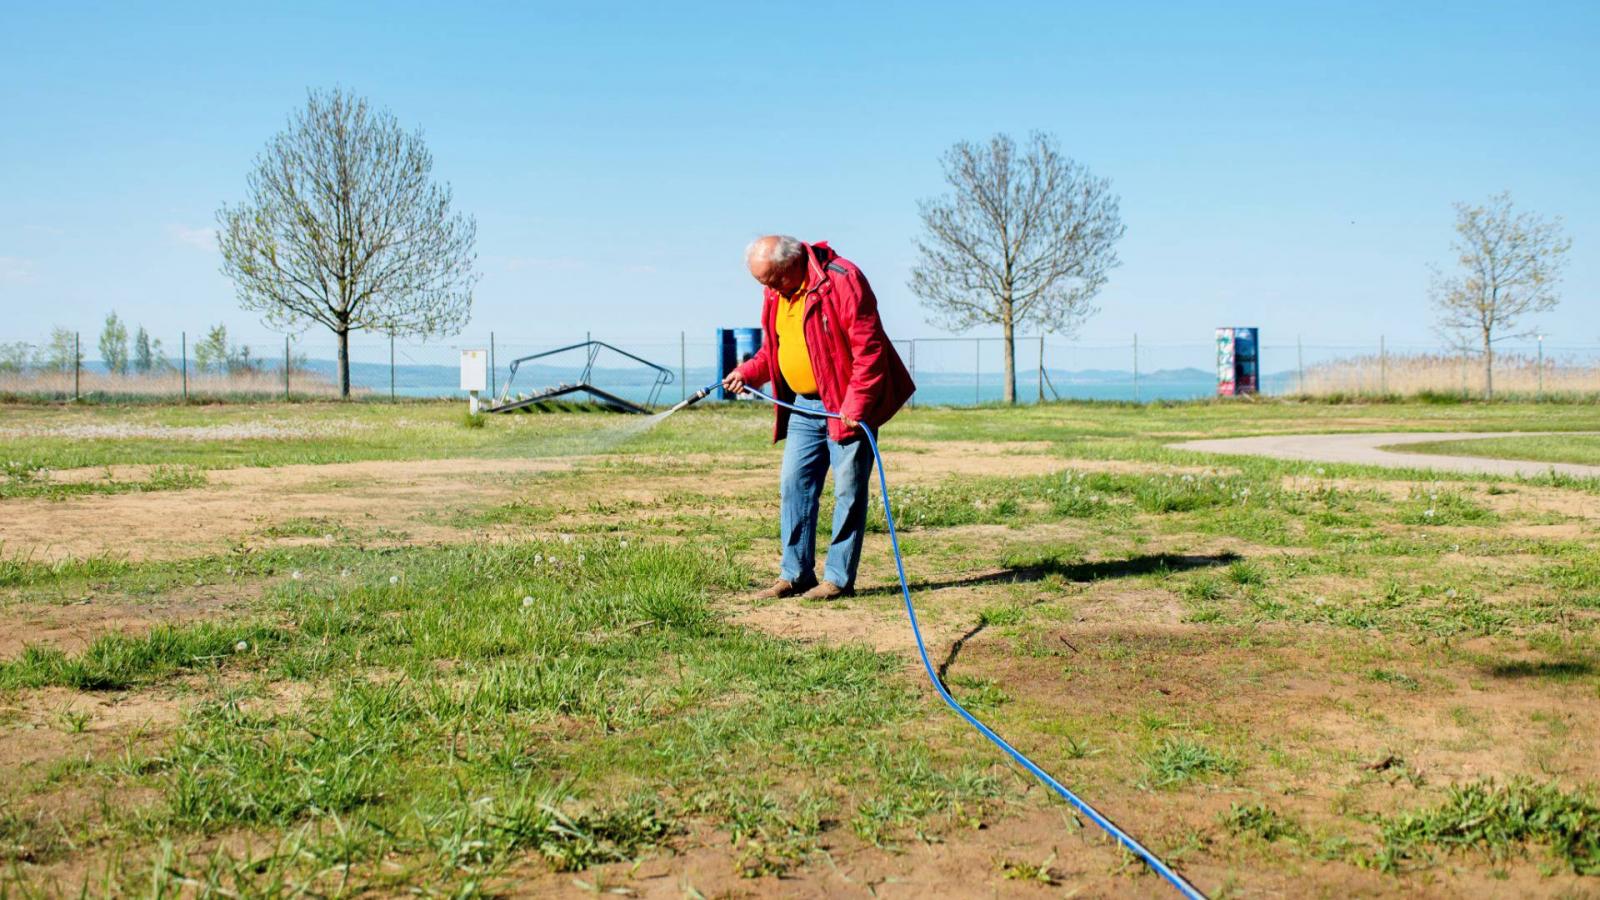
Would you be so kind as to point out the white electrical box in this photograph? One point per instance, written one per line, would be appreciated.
(474, 370)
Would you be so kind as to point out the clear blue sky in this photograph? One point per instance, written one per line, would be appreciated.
(1278, 165)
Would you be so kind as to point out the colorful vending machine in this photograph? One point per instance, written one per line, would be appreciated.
(1238, 361)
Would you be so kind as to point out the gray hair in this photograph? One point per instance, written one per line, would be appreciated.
(779, 249)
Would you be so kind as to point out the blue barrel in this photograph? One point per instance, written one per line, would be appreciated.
(734, 346)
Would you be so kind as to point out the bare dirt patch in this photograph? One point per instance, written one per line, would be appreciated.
(74, 622)
(237, 503)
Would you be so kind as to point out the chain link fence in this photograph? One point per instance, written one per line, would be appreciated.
(949, 371)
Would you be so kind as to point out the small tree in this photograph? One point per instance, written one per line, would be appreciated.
(61, 353)
(211, 351)
(15, 357)
(143, 361)
(114, 345)
(148, 356)
(1023, 238)
(1510, 266)
(345, 227)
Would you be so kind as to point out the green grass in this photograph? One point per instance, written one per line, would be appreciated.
(441, 717)
(1497, 819)
(1583, 449)
(442, 676)
(1261, 822)
(1176, 761)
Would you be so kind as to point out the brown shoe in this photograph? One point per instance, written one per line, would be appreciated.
(827, 591)
(783, 587)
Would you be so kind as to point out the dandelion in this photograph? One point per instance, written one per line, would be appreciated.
(580, 559)
(527, 601)
(623, 542)
(295, 574)
(538, 557)
(1451, 593)
(344, 573)
(394, 579)
(1321, 471)
(1428, 513)
(241, 647)
(327, 537)
(1188, 479)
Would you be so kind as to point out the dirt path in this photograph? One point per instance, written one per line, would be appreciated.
(1370, 449)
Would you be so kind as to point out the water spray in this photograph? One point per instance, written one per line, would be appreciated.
(1124, 839)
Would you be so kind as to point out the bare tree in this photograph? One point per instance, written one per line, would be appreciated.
(1510, 265)
(345, 227)
(1022, 239)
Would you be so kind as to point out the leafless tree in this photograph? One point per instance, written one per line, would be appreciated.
(345, 227)
(1510, 265)
(1024, 238)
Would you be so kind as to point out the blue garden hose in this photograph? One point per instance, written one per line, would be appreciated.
(1122, 837)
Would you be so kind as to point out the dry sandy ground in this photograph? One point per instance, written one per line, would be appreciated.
(402, 500)
(1122, 648)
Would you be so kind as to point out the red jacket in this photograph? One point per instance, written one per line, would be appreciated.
(858, 371)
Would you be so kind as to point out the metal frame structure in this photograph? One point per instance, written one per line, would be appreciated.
(503, 402)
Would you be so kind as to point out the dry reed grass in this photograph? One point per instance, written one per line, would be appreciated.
(1408, 376)
(45, 383)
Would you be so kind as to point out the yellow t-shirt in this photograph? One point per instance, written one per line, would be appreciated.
(794, 360)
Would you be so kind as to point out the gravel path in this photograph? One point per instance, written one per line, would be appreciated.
(1367, 449)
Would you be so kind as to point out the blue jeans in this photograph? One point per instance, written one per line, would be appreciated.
(807, 456)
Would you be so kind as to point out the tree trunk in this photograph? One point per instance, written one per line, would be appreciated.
(344, 364)
(1488, 368)
(1009, 335)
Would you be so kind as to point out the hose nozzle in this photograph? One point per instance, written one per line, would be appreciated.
(695, 397)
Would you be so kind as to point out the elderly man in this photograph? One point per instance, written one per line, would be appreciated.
(823, 348)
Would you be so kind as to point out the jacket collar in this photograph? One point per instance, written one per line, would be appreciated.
(817, 257)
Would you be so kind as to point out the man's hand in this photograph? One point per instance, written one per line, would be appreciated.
(733, 383)
(848, 422)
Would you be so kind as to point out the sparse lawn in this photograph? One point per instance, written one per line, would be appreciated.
(1564, 448)
(549, 679)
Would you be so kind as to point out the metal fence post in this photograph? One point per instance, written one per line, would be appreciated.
(183, 355)
(286, 368)
(1041, 369)
(1383, 367)
(494, 371)
(1136, 367)
(1541, 367)
(1300, 364)
(391, 367)
(77, 368)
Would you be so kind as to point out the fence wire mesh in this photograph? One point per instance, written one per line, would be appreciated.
(952, 371)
